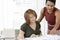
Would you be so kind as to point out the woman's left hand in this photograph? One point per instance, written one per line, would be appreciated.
(53, 31)
(33, 35)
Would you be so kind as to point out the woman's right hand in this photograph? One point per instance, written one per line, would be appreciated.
(33, 35)
(19, 38)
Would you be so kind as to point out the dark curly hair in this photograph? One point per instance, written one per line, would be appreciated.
(54, 1)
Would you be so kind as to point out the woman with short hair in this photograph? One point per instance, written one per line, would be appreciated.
(31, 28)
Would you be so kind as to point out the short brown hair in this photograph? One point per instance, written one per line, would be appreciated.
(26, 15)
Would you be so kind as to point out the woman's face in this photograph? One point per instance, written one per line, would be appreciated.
(32, 18)
(50, 6)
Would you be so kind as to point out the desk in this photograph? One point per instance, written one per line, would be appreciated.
(47, 37)
(9, 38)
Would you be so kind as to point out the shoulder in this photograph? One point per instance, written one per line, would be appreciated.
(24, 25)
(57, 13)
(43, 10)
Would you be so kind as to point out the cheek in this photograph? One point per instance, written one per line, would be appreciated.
(47, 7)
(52, 7)
(33, 19)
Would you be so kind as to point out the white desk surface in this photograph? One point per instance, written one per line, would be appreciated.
(46, 37)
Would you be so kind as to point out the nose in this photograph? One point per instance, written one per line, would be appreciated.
(50, 7)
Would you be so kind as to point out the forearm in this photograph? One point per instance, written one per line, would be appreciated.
(40, 19)
(20, 35)
(56, 26)
(41, 15)
(20, 38)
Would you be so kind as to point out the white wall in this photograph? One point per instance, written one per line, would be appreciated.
(12, 12)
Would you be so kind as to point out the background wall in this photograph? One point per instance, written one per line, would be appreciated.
(12, 13)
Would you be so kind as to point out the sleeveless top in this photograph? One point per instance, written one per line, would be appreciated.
(50, 18)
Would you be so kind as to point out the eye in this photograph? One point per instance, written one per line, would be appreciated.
(52, 5)
(47, 5)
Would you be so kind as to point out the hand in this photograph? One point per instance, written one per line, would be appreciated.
(18, 38)
(33, 35)
(53, 31)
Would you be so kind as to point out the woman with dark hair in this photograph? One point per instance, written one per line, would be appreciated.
(52, 16)
(31, 28)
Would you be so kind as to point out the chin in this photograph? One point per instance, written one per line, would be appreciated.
(33, 22)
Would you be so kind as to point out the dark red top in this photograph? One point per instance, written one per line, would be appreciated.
(50, 18)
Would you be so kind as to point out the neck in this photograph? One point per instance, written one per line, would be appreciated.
(49, 12)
